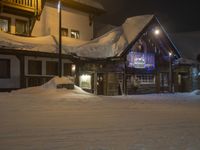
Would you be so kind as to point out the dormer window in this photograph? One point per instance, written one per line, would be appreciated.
(75, 34)
(4, 24)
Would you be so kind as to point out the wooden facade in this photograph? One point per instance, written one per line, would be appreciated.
(116, 76)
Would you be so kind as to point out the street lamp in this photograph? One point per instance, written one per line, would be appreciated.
(170, 72)
(60, 39)
(157, 32)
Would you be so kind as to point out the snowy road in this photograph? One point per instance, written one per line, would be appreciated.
(43, 119)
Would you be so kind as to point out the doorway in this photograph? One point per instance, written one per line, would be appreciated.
(100, 84)
(164, 82)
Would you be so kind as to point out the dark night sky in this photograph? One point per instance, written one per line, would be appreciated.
(174, 15)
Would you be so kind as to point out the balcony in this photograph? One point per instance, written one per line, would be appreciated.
(30, 7)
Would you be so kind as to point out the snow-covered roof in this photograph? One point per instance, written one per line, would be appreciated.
(110, 44)
(114, 42)
(188, 44)
(42, 44)
(185, 61)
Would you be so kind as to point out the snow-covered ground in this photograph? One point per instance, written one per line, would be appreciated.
(43, 118)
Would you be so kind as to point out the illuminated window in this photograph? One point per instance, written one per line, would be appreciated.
(21, 27)
(141, 60)
(75, 34)
(34, 67)
(5, 68)
(146, 78)
(64, 32)
(85, 82)
(4, 24)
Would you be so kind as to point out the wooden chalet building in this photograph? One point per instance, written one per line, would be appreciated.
(142, 65)
(135, 58)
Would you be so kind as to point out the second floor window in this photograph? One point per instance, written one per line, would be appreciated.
(21, 27)
(64, 32)
(75, 34)
(4, 24)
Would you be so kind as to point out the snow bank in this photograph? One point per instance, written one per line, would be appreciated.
(195, 92)
(53, 83)
(50, 89)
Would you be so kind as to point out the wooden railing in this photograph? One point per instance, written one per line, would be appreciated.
(34, 6)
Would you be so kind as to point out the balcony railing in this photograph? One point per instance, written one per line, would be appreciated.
(34, 6)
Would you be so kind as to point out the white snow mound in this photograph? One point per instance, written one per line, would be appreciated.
(57, 80)
(195, 92)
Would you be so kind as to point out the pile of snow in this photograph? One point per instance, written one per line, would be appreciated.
(50, 89)
(54, 82)
(195, 92)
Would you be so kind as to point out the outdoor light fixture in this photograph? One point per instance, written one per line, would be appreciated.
(73, 68)
(156, 31)
(170, 54)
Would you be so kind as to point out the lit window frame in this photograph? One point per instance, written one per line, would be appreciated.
(146, 78)
(76, 35)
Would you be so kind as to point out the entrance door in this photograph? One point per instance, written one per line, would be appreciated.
(164, 82)
(100, 85)
(182, 82)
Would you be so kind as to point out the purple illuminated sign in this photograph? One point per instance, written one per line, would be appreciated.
(141, 60)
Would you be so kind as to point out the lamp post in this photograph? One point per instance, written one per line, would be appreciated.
(170, 72)
(60, 39)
